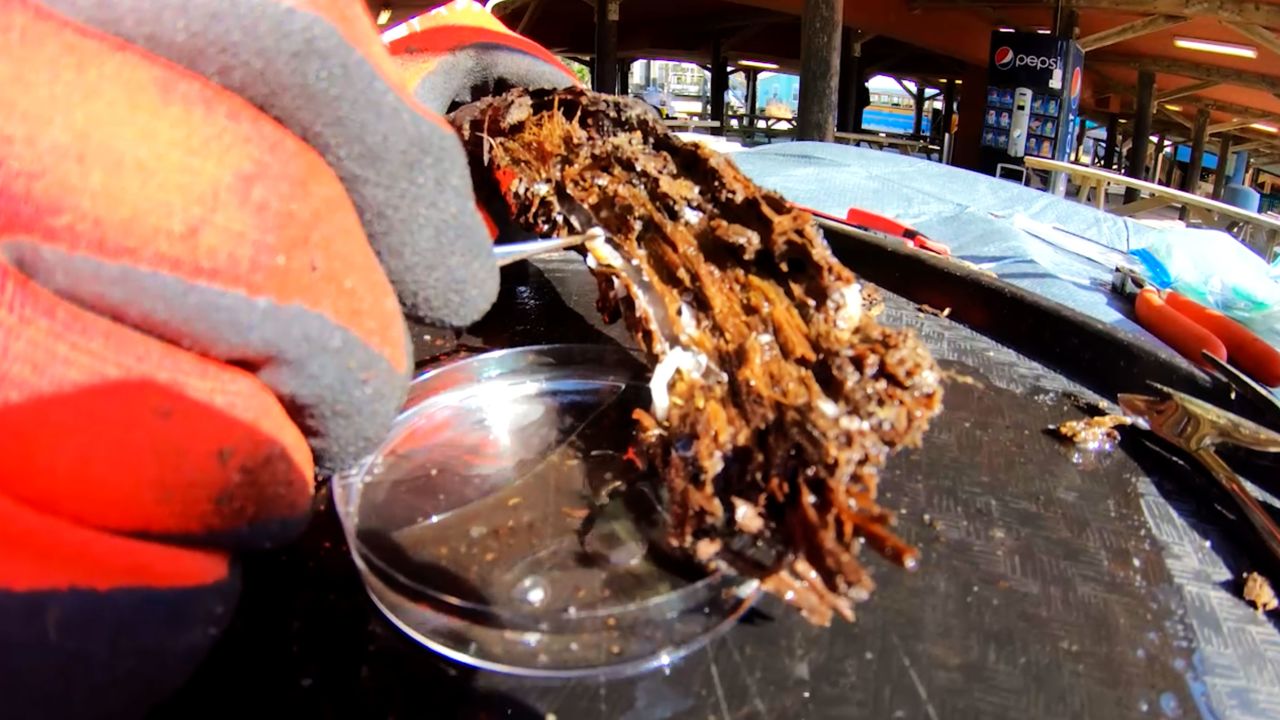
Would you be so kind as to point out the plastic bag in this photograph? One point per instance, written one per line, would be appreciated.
(1216, 270)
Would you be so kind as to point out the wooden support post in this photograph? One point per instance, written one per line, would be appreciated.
(850, 77)
(1067, 23)
(966, 150)
(1224, 157)
(1081, 129)
(820, 25)
(719, 80)
(1113, 142)
(1191, 181)
(753, 86)
(948, 112)
(604, 75)
(624, 76)
(1172, 166)
(918, 120)
(1141, 133)
(1154, 175)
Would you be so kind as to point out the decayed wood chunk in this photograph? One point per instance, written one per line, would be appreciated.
(776, 394)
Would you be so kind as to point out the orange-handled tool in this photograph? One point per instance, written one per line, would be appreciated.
(1247, 351)
(1176, 329)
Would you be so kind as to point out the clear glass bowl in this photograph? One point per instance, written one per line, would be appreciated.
(486, 529)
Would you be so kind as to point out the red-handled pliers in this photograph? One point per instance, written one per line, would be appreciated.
(882, 225)
(1191, 328)
(889, 226)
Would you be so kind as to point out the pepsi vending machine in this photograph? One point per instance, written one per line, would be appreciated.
(1033, 99)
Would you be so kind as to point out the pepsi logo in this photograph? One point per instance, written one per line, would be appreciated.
(1075, 82)
(1004, 57)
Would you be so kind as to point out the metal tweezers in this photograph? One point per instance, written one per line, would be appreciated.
(1195, 427)
(508, 253)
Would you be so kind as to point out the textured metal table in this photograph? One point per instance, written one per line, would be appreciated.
(1051, 588)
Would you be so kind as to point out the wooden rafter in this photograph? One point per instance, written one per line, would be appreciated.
(1245, 11)
(1176, 117)
(1240, 111)
(1185, 90)
(535, 8)
(1230, 125)
(1256, 33)
(860, 38)
(1254, 145)
(1130, 30)
(1200, 71)
(1243, 116)
(506, 7)
(1254, 139)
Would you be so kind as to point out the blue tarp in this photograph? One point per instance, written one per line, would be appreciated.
(965, 210)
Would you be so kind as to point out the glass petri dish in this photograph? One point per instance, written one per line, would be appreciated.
(503, 525)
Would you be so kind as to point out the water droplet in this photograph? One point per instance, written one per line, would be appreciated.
(530, 639)
(806, 694)
(1169, 705)
(477, 531)
(532, 591)
(1143, 706)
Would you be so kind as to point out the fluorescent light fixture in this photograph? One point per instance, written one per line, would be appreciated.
(757, 64)
(1175, 108)
(1005, 28)
(384, 15)
(1043, 31)
(1265, 127)
(1213, 46)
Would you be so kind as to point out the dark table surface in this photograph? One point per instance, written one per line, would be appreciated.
(1044, 592)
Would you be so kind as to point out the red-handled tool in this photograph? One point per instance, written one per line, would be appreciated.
(1247, 351)
(889, 226)
(1192, 329)
(1175, 329)
(882, 225)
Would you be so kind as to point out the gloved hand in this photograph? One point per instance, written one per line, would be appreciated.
(190, 308)
(459, 52)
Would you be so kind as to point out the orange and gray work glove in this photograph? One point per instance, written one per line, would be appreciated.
(208, 209)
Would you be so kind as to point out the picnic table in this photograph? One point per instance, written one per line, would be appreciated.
(1258, 231)
(691, 124)
(906, 146)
